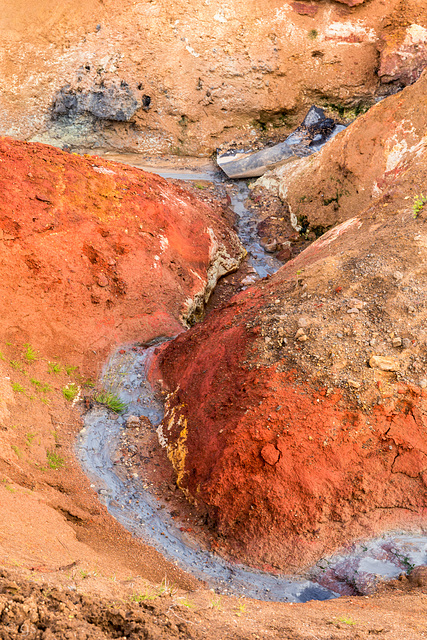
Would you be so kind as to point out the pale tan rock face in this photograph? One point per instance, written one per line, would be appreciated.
(180, 77)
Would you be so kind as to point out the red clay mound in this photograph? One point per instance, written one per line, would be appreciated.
(94, 253)
(297, 419)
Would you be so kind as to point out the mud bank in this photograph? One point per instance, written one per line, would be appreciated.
(357, 570)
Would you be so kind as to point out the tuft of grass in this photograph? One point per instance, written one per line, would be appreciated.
(216, 603)
(70, 391)
(346, 620)
(30, 354)
(54, 367)
(8, 487)
(144, 596)
(419, 202)
(111, 401)
(54, 460)
(44, 387)
(30, 437)
(2, 357)
(186, 602)
(16, 450)
(18, 366)
(312, 34)
(241, 608)
(69, 370)
(18, 388)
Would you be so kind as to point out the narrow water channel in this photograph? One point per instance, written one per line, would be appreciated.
(137, 509)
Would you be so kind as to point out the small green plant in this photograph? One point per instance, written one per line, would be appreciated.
(18, 366)
(8, 487)
(54, 367)
(16, 450)
(216, 602)
(45, 401)
(69, 370)
(70, 391)
(111, 401)
(30, 437)
(2, 356)
(30, 354)
(312, 34)
(167, 587)
(143, 596)
(186, 602)
(419, 202)
(18, 388)
(346, 620)
(241, 607)
(200, 186)
(54, 461)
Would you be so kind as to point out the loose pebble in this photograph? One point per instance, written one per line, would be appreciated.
(353, 384)
(384, 363)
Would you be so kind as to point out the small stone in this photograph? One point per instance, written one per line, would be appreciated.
(132, 422)
(397, 275)
(353, 310)
(384, 363)
(248, 280)
(396, 342)
(423, 383)
(270, 247)
(284, 254)
(406, 343)
(353, 384)
(418, 576)
(411, 309)
(299, 333)
(102, 280)
(303, 321)
(303, 338)
(270, 454)
(339, 335)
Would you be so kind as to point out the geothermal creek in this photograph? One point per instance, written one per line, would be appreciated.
(131, 502)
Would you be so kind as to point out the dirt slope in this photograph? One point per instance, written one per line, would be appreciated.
(92, 254)
(297, 412)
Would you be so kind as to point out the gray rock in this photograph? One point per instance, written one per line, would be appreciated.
(115, 101)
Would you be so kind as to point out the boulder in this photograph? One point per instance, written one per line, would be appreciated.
(403, 54)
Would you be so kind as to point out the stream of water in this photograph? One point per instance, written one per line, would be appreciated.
(136, 508)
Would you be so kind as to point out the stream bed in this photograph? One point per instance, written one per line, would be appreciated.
(356, 569)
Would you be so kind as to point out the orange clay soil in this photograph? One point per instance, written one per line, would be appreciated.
(92, 254)
(78, 247)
